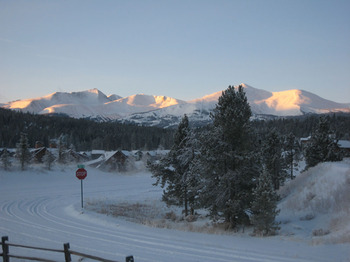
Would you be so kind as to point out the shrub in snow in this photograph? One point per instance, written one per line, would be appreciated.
(307, 217)
(170, 215)
(320, 232)
(190, 218)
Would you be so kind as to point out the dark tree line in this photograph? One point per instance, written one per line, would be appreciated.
(86, 134)
(303, 126)
(82, 134)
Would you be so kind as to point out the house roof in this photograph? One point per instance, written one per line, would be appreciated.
(95, 161)
(344, 143)
(98, 152)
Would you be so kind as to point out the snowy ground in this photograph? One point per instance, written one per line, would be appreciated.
(42, 208)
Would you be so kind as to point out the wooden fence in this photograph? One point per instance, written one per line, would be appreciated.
(6, 254)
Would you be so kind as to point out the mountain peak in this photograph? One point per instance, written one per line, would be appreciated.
(94, 91)
(163, 110)
(113, 97)
(150, 100)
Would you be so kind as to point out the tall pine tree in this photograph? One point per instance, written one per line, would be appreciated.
(22, 152)
(273, 160)
(292, 152)
(229, 160)
(174, 172)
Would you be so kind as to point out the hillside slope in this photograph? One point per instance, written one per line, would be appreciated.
(316, 205)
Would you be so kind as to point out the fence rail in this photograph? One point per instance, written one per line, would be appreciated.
(6, 255)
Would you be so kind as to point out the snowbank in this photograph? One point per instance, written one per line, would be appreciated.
(316, 205)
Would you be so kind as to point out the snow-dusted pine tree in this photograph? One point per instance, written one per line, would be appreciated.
(229, 159)
(273, 160)
(62, 149)
(292, 152)
(174, 171)
(231, 115)
(48, 159)
(22, 151)
(264, 206)
(5, 159)
(322, 146)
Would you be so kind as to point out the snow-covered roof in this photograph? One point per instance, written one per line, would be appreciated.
(344, 143)
(109, 154)
(97, 152)
(95, 161)
(127, 153)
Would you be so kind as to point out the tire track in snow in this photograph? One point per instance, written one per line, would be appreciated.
(45, 214)
(39, 208)
(131, 237)
(147, 240)
(23, 224)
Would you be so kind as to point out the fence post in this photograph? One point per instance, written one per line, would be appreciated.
(5, 249)
(129, 259)
(67, 256)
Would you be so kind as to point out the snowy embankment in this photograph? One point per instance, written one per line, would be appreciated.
(316, 205)
(42, 208)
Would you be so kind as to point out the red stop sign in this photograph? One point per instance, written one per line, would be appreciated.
(81, 173)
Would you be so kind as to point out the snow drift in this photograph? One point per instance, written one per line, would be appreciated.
(317, 203)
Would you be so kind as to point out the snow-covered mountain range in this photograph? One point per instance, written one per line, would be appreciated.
(165, 111)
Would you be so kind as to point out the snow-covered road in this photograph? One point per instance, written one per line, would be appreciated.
(43, 209)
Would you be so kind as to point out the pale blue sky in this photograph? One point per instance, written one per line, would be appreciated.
(183, 49)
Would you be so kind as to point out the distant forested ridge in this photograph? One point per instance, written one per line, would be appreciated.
(86, 134)
(302, 126)
(82, 134)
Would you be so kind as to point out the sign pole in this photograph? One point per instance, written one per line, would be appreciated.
(81, 174)
(81, 190)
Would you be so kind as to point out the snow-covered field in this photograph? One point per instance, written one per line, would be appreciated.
(42, 208)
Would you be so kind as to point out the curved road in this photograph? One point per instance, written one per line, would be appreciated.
(43, 209)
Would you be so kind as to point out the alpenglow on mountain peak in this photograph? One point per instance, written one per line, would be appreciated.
(167, 111)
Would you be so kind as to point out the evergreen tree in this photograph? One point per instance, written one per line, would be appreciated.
(187, 164)
(292, 152)
(173, 172)
(273, 159)
(322, 146)
(264, 206)
(5, 159)
(22, 151)
(231, 115)
(61, 149)
(229, 159)
(48, 159)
